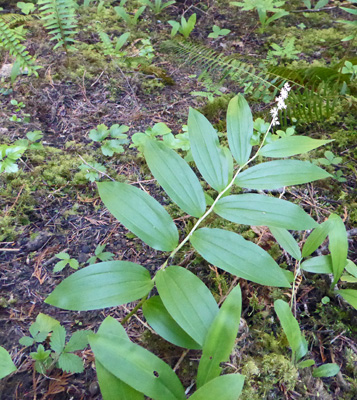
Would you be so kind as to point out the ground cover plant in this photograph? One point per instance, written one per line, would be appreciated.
(178, 200)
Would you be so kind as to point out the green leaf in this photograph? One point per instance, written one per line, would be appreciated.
(6, 364)
(318, 265)
(231, 252)
(116, 131)
(99, 134)
(291, 146)
(188, 300)
(256, 209)
(34, 135)
(206, 152)
(226, 387)
(220, 338)
(112, 146)
(286, 241)
(350, 295)
(60, 265)
(291, 329)
(69, 362)
(102, 285)
(63, 256)
(239, 128)
(351, 268)
(326, 371)
(276, 174)
(78, 341)
(137, 367)
(316, 238)
(73, 263)
(45, 323)
(165, 326)
(112, 387)
(305, 364)
(338, 245)
(140, 213)
(58, 338)
(176, 177)
(26, 341)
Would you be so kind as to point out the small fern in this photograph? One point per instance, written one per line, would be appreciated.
(218, 65)
(13, 19)
(9, 40)
(59, 19)
(316, 90)
(108, 45)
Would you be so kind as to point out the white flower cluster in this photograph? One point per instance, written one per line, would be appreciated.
(280, 104)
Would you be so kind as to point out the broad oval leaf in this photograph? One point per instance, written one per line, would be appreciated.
(112, 387)
(106, 284)
(6, 364)
(226, 387)
(291, 146)
(220, 338)
(338, 245)
(316, 238)
(291, 329)
(231, 252)
(137, 367)
(350, 295)
(256, 209)
(306, 364)
(276, 174)
(318, 265)
(161, 321)
(176, 177)
(286, 241)
(239, 128)
(188, 300)
(140, 213)
(207, 154)
(326, 371)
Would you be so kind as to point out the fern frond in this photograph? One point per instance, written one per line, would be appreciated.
(315, 93)
(218, 65)
(107, 44)
(58, 17)
(9, 40)
(13, 19)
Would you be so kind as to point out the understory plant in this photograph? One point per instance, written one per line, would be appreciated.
(185, 27)
(59, 18)
(184, 311)
(263, 7)
(157, 6)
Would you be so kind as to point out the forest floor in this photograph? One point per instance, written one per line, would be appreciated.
(49, 206)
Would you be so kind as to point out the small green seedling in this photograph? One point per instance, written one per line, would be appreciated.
(9, 155)
(114, 50)
(147, 50)
(32, 141)
(263, 7)
(128, 19)
(350, 24)
(329, 159)
(162, 133)
(93, 171)
(19, 106)
(100, 254)
(65, 260)
(218, 32)
(26, 8)
(157, 6)
(59, 353)
(286, 51)
(349, 69)
(109, 147)
(185, 28)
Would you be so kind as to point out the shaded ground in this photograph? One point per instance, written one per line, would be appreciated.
(49, 206)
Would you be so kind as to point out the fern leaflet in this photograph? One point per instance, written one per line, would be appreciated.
(59, 19)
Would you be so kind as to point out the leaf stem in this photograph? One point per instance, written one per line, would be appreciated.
(215, 201)
(134, 310)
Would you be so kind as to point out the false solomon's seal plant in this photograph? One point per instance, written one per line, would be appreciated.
(185, 312)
